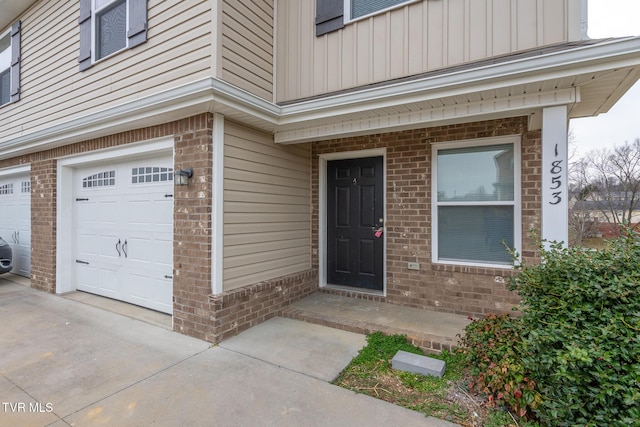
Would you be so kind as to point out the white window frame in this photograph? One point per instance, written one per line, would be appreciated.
(94, 29)
(6, 53)
(516, 203)
(347, 10)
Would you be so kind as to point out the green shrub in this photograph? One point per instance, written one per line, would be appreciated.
(581, 333)
(492, 350)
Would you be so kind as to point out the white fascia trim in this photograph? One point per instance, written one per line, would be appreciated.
(502, 107)
(204, 94)
(15, 170)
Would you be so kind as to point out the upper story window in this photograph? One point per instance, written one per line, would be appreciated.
(10, 65)
(109, 26)
(332, 15)
(476, 205)
(360, 8)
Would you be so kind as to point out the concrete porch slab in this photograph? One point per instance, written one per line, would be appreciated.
(430, 330)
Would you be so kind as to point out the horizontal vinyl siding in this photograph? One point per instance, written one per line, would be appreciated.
(54, 91)
(247, 45)
(409, 40)
(267, 208)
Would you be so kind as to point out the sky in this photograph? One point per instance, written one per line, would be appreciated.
(611, 18)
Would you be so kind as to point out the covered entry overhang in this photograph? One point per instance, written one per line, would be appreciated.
(588, 76)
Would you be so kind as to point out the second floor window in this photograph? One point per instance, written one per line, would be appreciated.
(10, 65)
(359, 8)
(109, 26)
(331, 15)
(5, 68)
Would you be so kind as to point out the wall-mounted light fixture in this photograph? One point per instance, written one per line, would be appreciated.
(181, 177)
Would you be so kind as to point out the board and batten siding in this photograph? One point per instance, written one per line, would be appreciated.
(247, 45)
(267, 207)
(413, 39)
(53, 90)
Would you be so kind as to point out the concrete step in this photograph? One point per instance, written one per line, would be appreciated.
(430, 330)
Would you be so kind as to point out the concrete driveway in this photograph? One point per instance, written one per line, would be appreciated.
(65, 363)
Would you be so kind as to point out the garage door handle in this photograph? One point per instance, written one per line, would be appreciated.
(124, 248)
(81, 262)
(118, 248)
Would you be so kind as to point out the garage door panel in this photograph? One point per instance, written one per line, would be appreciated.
(134, 205)
(15, 215)
(101, 281)
(151, 214)
(97, 214)
(156, 249)
(138, 292)
(97, 246)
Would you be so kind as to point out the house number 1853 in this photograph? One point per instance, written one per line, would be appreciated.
(556, 180)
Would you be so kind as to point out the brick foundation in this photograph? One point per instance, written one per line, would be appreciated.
(237, 310)
(448, 288)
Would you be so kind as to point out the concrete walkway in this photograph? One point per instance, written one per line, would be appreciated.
(66, 363)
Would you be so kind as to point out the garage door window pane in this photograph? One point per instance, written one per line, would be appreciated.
(141, 175)
(475, 233)
(6, 189)
(101, 179)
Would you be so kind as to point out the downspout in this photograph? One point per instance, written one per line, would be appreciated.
(584, 21)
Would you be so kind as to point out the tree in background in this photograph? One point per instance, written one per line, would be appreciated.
(606, 189)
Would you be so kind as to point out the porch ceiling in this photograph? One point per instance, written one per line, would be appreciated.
(11, 9)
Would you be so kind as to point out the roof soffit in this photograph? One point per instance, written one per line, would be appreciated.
(12, 9)
(588, 78)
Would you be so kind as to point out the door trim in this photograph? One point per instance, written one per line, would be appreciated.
(65, 206)
(322, 212)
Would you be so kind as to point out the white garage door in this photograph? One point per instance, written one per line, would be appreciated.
(15, 220)
(124, 232)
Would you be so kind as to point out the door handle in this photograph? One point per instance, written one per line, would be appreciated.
(118, 248)
(124, 248)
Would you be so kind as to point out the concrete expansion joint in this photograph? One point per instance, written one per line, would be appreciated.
(221, 345)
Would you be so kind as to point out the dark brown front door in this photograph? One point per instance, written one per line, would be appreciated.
(355, 252)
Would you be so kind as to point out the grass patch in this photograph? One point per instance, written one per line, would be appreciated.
(447, 398)
(370, 373)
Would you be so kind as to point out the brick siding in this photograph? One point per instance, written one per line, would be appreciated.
(455, 289)
(239, 309)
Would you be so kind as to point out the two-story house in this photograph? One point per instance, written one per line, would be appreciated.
(219, 159)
